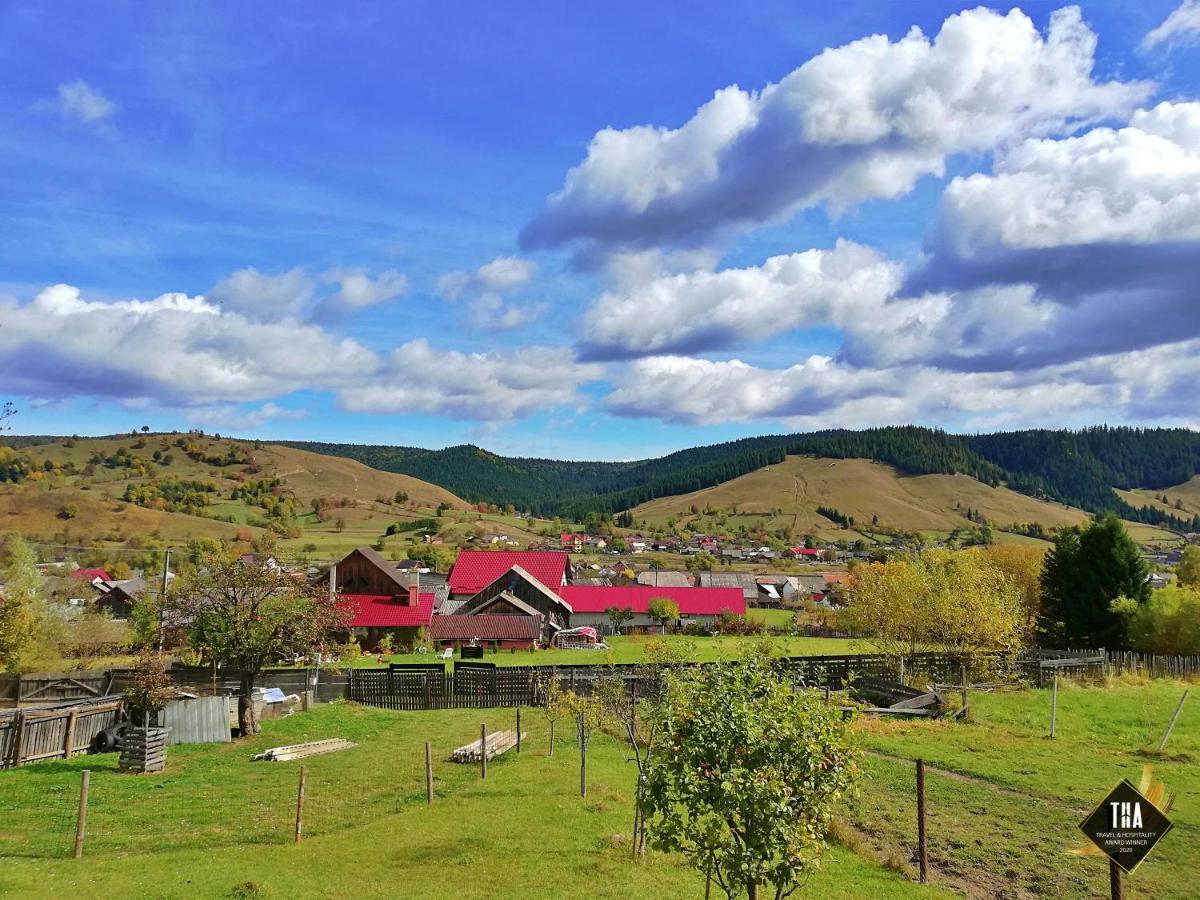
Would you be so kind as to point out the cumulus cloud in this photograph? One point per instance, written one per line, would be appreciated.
(357, 289)
(707, 310)
(419, 378)
(482, 293)
(1139, 184)
(1091, 242)
(175, 348)
(1181, 27)
(192, 352)
(261, 296)
(78, 101)
(821, 392)
(856, 122)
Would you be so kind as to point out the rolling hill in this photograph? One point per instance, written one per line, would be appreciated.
(118, 488)
(1093, 469)
(790, 494)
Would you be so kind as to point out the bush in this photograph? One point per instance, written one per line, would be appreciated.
(728, 623)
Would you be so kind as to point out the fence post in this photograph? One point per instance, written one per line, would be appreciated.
(428, 773)
(69, 737)
(85, 778)
(483, 750)
(18, 738)
(965, 700)
(300, 804)
(1114, 880)
(922, 849)
(518, 727)
(902, 681)
(1054, 707)
(1174, 719)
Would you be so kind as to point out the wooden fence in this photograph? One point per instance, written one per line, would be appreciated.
(31, 735)
(485, 685)
(1120, 661)
(46, 688)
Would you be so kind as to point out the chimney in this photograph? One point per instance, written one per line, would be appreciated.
(414, 590)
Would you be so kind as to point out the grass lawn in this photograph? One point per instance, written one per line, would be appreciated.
(775, 618)
(1015, 813)
(217, 825)
(632, 649)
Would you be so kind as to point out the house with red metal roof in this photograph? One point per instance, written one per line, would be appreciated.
(475, 570)
(90, 575)
(703, 605)
(382, 600)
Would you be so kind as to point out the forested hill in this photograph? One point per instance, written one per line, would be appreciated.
(1080, 468)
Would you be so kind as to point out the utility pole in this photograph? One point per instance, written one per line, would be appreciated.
(163, 596)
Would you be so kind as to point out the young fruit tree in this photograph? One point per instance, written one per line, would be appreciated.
(663, 610)
(618, 615)
(747, 776)
(246, 616)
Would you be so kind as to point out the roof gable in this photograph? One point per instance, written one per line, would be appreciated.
(475, 570)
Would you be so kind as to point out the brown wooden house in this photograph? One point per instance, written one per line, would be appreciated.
(517, 593)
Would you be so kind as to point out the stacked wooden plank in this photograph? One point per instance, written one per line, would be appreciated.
(143, 750)
(894, 698)
(303, 751)
(497, 742)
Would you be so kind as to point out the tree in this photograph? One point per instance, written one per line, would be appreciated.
(748, 775)
(701, 562)
(1023, 564)
(247, 616)
(1188, 570)
(663, 610)
(956, 602)
(21, 607)
(1167, 623)
(618, 615)
(1086, 571)
(7, 411)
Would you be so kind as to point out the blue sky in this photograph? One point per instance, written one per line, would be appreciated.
(336, 222)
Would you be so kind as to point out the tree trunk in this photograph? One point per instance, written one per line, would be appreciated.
(751, 891)
(247, 720)
(583, 770)
(551, 738)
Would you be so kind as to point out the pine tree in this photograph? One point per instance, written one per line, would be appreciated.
(1085, 572)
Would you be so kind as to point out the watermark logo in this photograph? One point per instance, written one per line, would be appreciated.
(1126, 826)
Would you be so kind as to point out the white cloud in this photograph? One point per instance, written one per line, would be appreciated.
(856, 122)
(482, 293)
(262, 297)
(705, 310)
(80, 102)
(228, 417)
(822, 393)
(489, 386)
(175, 348)
(1181, 27)
(357, 289)
(1138, 184)
(188, 351)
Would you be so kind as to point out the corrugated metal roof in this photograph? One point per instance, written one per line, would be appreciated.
(373, 611)
(476, 569)
(485, 628)
(692, 601)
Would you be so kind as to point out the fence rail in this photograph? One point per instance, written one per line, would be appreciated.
(32, 735)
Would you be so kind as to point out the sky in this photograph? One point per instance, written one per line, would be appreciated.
(597, 230)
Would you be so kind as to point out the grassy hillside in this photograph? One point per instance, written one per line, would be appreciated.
(790, 492)
(80, 490)
(1182, 499)
(1004, 802)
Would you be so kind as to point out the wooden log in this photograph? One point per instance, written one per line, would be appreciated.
(428, 772)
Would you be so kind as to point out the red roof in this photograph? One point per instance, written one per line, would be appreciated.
(90, 574)
(485, 628)
(805, 551)
(375, 611)
(692, 601)
(476, 569)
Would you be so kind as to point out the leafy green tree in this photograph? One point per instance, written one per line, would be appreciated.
(1167, 623)
(1188, 570)
(1083, 574)
(701, 562)
(748, 776)
(618, 615)
(248, 616)
(663, 610)
(21, 607)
